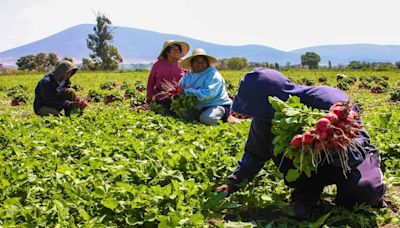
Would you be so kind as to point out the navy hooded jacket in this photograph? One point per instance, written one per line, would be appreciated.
(252, 100)
(47, 91)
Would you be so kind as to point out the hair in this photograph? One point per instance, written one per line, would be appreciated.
(167, 49)
(205, 57)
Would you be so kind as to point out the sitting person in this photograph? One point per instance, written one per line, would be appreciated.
(166, 69)
(54, 93)
(204, 81)
(364, 182)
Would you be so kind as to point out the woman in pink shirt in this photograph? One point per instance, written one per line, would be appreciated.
(166, 69)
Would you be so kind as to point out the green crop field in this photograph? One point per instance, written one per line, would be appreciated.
(117, 166)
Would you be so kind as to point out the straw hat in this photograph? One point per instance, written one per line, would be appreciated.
(196, 52)
(184, 46)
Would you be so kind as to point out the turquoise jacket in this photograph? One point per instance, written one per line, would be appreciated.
(208, 86)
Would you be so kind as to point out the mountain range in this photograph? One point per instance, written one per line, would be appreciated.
(143, 46)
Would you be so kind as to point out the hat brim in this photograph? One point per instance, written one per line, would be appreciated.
(187, 65)
(185, 49)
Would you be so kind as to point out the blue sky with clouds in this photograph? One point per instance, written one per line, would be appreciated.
(284, 24)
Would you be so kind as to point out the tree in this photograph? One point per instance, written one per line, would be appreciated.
(26, 63)
(237, 63)
(88, 65)
(311, 59)
(104, 55)
(52, 60)
(277, 66)
(329, 64)
(41, 62)
(397, 64)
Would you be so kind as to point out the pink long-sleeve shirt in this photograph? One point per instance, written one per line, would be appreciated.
(162, 71)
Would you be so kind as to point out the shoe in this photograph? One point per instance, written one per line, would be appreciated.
(301, 210)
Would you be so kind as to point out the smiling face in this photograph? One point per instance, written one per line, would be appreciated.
(199, 63)
(174, 53)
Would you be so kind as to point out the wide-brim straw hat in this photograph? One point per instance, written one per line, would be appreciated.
(184, 46)
(196, 52)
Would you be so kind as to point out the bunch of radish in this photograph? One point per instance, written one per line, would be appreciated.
(81, 102)
(334, 131)
(170, 90)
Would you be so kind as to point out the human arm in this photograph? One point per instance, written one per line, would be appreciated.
(150, 85)
(258, 150)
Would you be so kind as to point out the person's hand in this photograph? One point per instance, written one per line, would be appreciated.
(224, 188)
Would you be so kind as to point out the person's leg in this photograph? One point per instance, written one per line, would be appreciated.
(211, 115)
(362, 185)
(46, 111)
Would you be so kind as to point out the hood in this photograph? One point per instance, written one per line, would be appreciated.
(62, 68)
(255, 88)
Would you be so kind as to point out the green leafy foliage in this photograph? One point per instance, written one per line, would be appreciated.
(182, 105)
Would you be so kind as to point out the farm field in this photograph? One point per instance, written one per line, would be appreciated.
(117, 166)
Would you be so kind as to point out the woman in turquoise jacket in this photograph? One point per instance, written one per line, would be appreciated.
(204, 81)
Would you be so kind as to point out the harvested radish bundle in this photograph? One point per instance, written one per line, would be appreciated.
(183, 105)
(79, 105)
(170, 90)
(314, 136)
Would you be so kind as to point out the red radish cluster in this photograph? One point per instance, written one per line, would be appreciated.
(335, 130)
(238, 115)
(80, 102)
(14, 102)
(170, 90)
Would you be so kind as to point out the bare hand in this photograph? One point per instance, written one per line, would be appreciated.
(223, 188)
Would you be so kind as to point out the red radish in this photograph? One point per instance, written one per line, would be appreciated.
(339, 111)
(323, 124)
(297, 141)
(337, 104)
(353, 115)
(323, 135)
(14, 102)
(341, 125)
(356, 125)
(351, 134)
(308, 138)
(332, 117)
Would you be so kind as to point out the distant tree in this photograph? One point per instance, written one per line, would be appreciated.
(104, 55)
(237, 63)
(26, 62)
(41, 62)
(52, 60)
(329, 64)
(277, 66)
(355, 65)
(88, 65)
(397, 64)
(311, 59)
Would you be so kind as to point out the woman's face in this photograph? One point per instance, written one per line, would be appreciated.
(174, 53)
(199, 63)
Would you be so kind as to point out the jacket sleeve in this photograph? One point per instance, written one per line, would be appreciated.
(210, 90)
(51, 98)
(258, 150)
(150, 85)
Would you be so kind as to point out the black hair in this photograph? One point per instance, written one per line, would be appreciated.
(167, 49)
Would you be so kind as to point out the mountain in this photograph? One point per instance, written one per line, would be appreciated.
(362, 52)
(142, 46)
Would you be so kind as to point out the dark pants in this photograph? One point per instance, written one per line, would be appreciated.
(364, 184)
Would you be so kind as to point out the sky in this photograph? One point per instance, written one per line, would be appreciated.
(285, 24)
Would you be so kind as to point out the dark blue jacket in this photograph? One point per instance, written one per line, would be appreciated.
(252, 100)
(47, 94)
